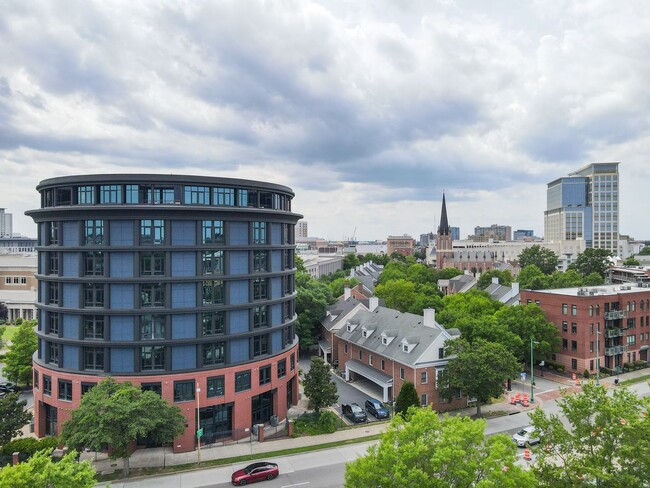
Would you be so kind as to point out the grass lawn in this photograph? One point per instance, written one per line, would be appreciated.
(631, 381)
(10, 332)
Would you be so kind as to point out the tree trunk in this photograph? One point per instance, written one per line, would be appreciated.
(126, 466)
(478, 409)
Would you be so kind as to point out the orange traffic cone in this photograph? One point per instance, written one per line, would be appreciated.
(527, 454)
(525, 402)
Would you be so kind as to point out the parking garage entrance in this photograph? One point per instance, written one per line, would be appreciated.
(354, 367)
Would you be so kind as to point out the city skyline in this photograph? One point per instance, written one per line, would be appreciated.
(368, 110)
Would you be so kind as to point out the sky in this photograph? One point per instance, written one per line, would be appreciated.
(368, 109)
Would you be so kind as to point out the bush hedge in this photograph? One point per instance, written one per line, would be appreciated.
(325, 423)
(29, 445)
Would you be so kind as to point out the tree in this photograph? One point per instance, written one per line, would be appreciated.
(337, 287)
(13, 417)
(592, 261)
(593, 279)
(116, 414)
(479, 370)
(532, 278)
(41, 472)
(631, 261)
(350, 261)
(505, 278)
(18, 360)
(3, 329)
(4, 312)
(568, 279)
(312, 300)
(318, 385)
(645, 251)
(528, 321)
(460, 306)
(407, 397)
(545, 259)
(432, 452)
(606, 443)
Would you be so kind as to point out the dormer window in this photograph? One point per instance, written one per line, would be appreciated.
(384, 340)
(408, 346)
(405, 347)
(366, 332)
(350, 326)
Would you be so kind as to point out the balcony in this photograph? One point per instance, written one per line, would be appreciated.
(615, 315)
(609, 333)
(615, 350)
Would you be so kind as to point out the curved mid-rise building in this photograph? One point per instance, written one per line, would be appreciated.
(183, 285)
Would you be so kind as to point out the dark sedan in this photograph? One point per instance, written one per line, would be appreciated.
(255, 472)
(9, 387)
(376, 408)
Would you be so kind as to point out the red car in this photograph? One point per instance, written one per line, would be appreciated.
(255, 472)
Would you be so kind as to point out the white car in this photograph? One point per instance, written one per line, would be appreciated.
(527, 436)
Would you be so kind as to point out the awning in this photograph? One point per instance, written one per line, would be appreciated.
(644, 347)
(368, 372)
(325, 346)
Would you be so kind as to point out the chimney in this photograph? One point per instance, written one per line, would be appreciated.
(347, 293)
(429, 318)
(515, 289)
(373, 303)
(495, 280)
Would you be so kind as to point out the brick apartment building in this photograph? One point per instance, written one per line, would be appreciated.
(618, 316)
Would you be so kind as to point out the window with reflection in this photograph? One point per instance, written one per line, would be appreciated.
(86, 195)
(214, 353)
(152, 358)
(212, 262)
(212, 232)
(223, 196)
(152, 295)
(93, 326)
(94, 263)
(152, 263)
(93, 232)
(213, 292)
(152, 231)
(152, 327)
(110, 194)
(212, 323)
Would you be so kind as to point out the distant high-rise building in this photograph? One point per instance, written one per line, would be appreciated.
(455, 233)
(584, 205)
(302, 229)
(495, 231)
(521, 234)
(427, 239)
(400, 244)
(6, 228)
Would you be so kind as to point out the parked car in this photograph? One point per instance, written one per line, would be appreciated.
(376, 408)
(9, 387)
(527, 436)
(255, 472)
(354, 412)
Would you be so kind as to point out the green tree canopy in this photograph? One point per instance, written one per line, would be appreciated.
(568, 279)
(407, 397)
(528, 321)
(312, 300)
(645, 251)
(318, 385)
(545, 259)
(479, 370)
(473, 305)
(631, 261)
(427, 451)
(395, 270)
(116, 414)
(18, 361)
(350, 261)
(381, 259)
(606, 442)
(532, 278)
(592, 261)
(488, 328)
(13, 417)
(407, 296)
(505, 278)
(337, 286)
(593, 279)
(41, 472)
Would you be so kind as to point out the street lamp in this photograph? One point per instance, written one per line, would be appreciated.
(532, 370)
(198, 423)
(597, 357)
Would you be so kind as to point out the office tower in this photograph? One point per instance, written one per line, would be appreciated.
(5, 224)
(584, 205)
(302, 229)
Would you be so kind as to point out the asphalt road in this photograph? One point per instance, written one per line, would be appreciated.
(24, 394)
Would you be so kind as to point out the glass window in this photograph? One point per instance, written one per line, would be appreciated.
(152, 295)
(574, 310)
(423, 399)
(212, 232)
(213, 323)
(243, 380)
(53, 353)
(260, 289)
(259, 232)
(86, 195)
(260, 261)
(54, 323)
(152, 263)
(574, 328)
(53, 262)
(401, 373)
(265, 374)
(53, 298)
(131, 193)
(212, 262)
(152, 327)
(161, 195)
(282, 368)
(47, 385)
(574, 345)
(184, 391)
(565, 344)
(214, 353)
(260, 345)
(86, 387)
(94, 263)
(65, 390)
(93, 327)
(266, 199)
(93, 295)
(110, 194)
(152, 231)
(216, 386)
(288, 335)
(292, 362)
(53, 233)
(197, 195)
(423, 377)
(242, 198)
(93, 232)
(152, 358)
(565, 309)
(213, 292)
(259, 317)
(565, 326)
(223, 196)
(574, 364)
(94, 358)
(155, 387)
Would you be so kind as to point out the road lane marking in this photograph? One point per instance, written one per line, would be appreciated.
(297, 484)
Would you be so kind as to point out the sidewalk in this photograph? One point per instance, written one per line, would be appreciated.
(547, 389)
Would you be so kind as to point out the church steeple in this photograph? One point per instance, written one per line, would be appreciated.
(443, 228)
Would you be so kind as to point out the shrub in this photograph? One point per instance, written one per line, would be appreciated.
(586, 374)
(29, 445)
(326, 422)
(18, 321)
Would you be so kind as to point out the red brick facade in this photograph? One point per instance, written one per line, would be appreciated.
(621, 315)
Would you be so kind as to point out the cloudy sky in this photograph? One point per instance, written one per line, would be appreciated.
(369, 110)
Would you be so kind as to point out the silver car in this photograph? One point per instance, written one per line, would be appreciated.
(527, 436)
